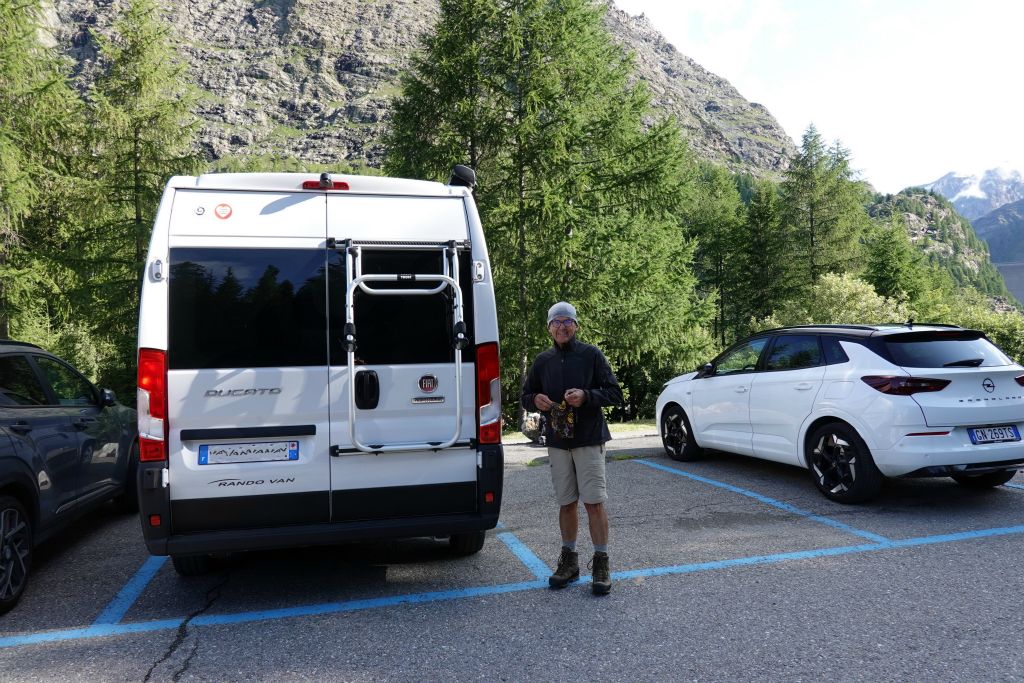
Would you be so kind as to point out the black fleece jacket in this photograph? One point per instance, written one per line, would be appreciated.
(577, 366)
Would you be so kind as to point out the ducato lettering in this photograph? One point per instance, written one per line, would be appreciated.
(265, 391)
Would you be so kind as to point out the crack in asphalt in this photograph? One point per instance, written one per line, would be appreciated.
(211, 597)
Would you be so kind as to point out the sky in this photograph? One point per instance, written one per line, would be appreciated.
(913, 88)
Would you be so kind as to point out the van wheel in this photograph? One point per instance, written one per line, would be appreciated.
(984, 481)
(468, 543)
(677, 437)
(128, 499)
(15, 552)
(191, 565)
(841, 464)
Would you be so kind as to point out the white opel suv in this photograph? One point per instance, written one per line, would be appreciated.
(854, 403)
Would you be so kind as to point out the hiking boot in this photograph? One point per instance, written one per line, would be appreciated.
(601, 580)
(568, 569)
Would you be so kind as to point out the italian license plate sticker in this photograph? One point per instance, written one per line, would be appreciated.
(265, 451)
(994, 434)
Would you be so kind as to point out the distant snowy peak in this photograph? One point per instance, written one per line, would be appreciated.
(976, 194)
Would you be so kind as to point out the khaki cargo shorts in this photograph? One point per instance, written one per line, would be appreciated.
(578, 474)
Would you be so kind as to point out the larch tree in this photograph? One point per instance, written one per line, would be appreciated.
(578, 198)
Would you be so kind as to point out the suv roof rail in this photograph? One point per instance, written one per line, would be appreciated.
(14, 342)
(829, 326)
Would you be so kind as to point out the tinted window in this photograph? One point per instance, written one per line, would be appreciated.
(834, 352)
(19, 385)
(944, 350)
(71, 388)
(743, 357)
(400, 329)
(791, 352)
(247, 308)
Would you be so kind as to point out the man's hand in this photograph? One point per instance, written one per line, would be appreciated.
(575, 397)
(543, 402)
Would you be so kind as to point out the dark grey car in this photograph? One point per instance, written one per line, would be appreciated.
(65, 448)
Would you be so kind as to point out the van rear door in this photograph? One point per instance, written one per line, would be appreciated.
(247, 360)
(402, 399)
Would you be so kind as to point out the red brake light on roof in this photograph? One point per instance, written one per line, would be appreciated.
(904, 386)
(315, 185)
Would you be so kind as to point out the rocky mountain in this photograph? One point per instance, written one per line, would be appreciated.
(1003, 229)
(314, 80)
(945, 236)
(975, 195)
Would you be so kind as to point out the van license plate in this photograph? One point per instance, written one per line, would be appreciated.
(265, 451)
(993, 434)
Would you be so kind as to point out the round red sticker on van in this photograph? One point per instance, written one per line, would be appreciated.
(222, 211)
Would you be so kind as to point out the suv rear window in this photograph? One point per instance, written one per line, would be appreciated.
(944, 350)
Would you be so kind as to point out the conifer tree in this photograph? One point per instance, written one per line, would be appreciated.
(142, 106)
(578, 200)
(894, 267)
(824, 205)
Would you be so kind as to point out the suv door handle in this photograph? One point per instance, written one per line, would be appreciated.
(741, 390)
(20, 427)
(803, 385)
(83, 422)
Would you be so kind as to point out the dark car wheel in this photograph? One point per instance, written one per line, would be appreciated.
(15, 552)
(468, 543)
(676, 435)
(191, 565)
(984, 481)
(841, 464)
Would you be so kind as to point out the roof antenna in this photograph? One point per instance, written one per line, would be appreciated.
(910, 323)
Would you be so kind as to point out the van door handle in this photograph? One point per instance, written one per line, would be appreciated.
(367, 389)
(803, 386)
(20, 427)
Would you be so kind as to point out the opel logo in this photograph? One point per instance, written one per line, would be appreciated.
(428, 383)
(987, 384)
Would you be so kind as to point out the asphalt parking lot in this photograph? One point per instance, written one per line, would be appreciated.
(725, 569)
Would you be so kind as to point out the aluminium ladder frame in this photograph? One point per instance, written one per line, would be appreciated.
(449, 277)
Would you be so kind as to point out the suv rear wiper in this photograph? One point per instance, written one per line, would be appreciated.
(966, 363)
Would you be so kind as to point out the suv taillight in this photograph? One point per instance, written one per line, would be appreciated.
(488, 393)
(904, 386)
(152, 405)
(1020, 380)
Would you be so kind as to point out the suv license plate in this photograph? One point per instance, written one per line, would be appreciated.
(265, 451)
(993, 434)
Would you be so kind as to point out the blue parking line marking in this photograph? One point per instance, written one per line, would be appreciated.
(1014, 486)
(769, 501)
(123, 601)
(107, 630)
(525, 555)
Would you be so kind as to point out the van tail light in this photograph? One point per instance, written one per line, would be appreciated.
(488, 393)
(904, 386)
(152, 405)
(1019, 379)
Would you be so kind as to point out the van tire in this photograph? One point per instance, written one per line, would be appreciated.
(191, 565)
(468, 543)
(128, 499)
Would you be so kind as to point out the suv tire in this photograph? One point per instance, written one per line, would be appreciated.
(467, 544)
(677, 436)
(15, 552)
(841, 465)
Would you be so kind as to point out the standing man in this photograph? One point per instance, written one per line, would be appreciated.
(571, 382)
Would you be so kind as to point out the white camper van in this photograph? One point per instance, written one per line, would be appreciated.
(318, 362)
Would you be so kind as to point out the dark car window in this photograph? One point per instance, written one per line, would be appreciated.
(834, 352)
(19, 385)
(742, 358)
(247, 308)
(791, 352)
(71, 388)
(943, 350)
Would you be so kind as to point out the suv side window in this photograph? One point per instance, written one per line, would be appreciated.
(834, 353)
(19, 385)
(742, 358)
(792, 352)
(71, 388)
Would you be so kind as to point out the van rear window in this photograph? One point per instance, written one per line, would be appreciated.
(944, 350)
(247, 308)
